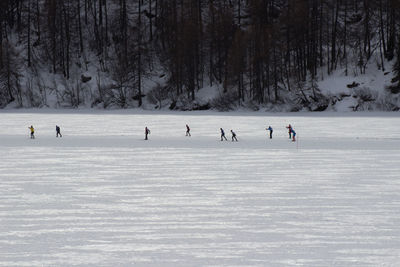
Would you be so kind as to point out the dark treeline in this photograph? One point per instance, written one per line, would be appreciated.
(257, 51)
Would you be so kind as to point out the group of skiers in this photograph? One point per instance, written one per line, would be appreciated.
(234, 138)
(58, 131)
(292, 133)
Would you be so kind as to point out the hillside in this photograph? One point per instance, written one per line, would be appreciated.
(193, 55)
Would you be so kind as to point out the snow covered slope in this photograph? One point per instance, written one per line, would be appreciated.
(360, 92)
(102, 196)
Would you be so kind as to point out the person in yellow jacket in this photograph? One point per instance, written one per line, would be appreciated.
(32, 132)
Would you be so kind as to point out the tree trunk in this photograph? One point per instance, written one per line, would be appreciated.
(29, 33)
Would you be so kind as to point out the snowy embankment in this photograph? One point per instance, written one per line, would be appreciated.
(361, 92)
(103, 196)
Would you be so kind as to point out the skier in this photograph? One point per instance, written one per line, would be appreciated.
(146, 132)
(32, 132)
(188, 131)
(289, 127)
(270, 131)
(58, 131)
(223, 135)
(233, 136)
(294, 135)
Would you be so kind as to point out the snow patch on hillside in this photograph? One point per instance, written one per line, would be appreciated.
(88, 83)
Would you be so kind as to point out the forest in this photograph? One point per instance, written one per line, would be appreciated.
(163, 53)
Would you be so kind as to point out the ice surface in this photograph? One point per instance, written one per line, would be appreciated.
(102, 196)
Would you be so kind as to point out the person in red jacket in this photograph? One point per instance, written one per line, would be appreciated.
(289, 127)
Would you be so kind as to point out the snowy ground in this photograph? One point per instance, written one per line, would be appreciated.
(102, 196)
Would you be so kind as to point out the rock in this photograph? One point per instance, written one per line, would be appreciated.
(202, 107)
(137, 96)
(85, 79)
(173, 105)
(321, 107)
(352, 85)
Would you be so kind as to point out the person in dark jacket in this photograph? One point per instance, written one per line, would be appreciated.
(223, 135)
(188, 130)
(270, 131)
(146, 133)
(58, 131)
(233, 136)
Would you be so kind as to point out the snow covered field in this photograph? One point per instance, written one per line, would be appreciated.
(102, 196)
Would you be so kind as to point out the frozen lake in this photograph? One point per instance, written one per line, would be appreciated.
(102, 196)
